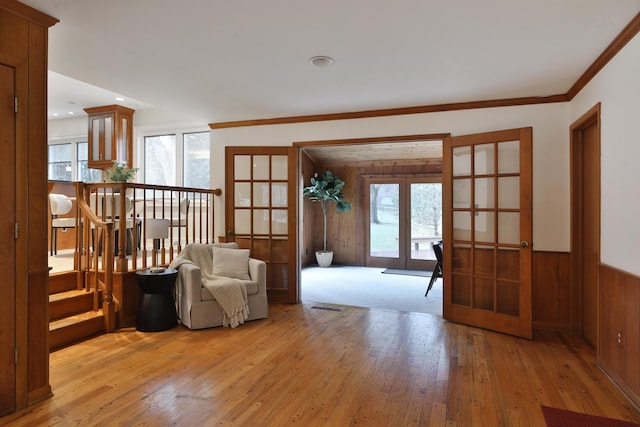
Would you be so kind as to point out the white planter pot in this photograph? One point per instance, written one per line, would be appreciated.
(324, 258)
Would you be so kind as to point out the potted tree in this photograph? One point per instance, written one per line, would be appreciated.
(325, 189)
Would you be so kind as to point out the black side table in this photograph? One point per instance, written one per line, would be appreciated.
(157, 309)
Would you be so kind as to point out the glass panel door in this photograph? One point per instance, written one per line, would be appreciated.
(384, 220)
(405, 218)
(261, 213)
(487, 255)
(426, 219)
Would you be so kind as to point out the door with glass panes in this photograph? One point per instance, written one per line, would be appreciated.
(488, 229)
(260, 212)
(405, 219)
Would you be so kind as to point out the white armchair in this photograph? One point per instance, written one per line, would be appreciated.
(196, 306)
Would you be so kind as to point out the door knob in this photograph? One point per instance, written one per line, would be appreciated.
(524, 244)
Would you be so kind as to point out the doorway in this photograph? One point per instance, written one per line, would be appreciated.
(585, 228)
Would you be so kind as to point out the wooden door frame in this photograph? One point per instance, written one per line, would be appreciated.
(576, 295)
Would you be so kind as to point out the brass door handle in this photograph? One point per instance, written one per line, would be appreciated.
(524, 244)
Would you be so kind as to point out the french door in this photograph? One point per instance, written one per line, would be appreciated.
(7, 248)
(260, 212)
(487, 230)
(405, 218)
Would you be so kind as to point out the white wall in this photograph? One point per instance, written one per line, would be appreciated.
(550, 122)
(617, 87)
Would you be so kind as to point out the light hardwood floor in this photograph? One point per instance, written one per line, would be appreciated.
(311, 367)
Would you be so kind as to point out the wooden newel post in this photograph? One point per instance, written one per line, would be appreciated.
(108, 307)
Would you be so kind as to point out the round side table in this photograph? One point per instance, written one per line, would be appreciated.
(157, 309)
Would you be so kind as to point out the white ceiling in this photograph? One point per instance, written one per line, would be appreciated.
(224, 60)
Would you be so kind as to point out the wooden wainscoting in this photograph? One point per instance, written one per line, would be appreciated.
(551, 285)
(619, 329)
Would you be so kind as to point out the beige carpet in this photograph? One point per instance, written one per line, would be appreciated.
(368, 287)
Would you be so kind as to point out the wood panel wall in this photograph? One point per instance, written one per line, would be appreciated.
(619, 329)
(23, 46)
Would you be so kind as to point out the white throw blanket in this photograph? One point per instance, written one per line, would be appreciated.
(229, 293)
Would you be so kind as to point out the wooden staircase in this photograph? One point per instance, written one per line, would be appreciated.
(71, 314)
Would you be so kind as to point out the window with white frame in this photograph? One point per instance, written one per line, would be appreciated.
(169, 162)
(196, 165)
(68, 161)
(60, 162)
(84, 172)
(160, 160)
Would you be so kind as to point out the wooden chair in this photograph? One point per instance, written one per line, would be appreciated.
(437, 270)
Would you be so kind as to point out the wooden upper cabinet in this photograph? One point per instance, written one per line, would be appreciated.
(110, 136)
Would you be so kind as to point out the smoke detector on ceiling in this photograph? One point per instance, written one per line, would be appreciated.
(321, 61)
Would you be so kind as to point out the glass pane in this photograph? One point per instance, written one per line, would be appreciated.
(384, 225)
(509, 227)
(462, 193)
(426, 219)
(508, 294)
(483, 159)
(59, 167)
(261, 221)
(461, 161)
(159, 160)
(279, 221)
(508, 263)
(242, 167)
(108, 135)
(462, 225)
(84, 173)
(483, 257)
(122, 151)
(279, 167)
(484, 227)
(196, 167)
(484, 193)
(261, 167)
(483, 293)
(242, 221)
(509, 157)
(509, 192)
(261, 194)
(279, 195)
(242, 194)
(95, 140)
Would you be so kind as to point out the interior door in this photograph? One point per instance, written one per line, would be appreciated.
(7, 248)
(261, 210)
(487, 230)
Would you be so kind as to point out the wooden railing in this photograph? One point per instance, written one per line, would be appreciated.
(124, 227)
(96, 271)
(182, 215)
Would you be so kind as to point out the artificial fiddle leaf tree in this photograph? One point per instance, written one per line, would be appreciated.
(325, 189)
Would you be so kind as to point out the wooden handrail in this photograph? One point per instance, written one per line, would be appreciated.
(87, 221)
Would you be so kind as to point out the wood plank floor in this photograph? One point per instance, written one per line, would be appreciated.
(310, 367)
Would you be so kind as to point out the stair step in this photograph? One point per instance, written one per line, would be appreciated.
(68, 303)
(62, 282)
(76, 328)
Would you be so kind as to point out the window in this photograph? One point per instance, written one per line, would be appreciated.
(160, 160)
(68, 162)
(86, 174)
(60, 162)
(169, 162)
(196, 160)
